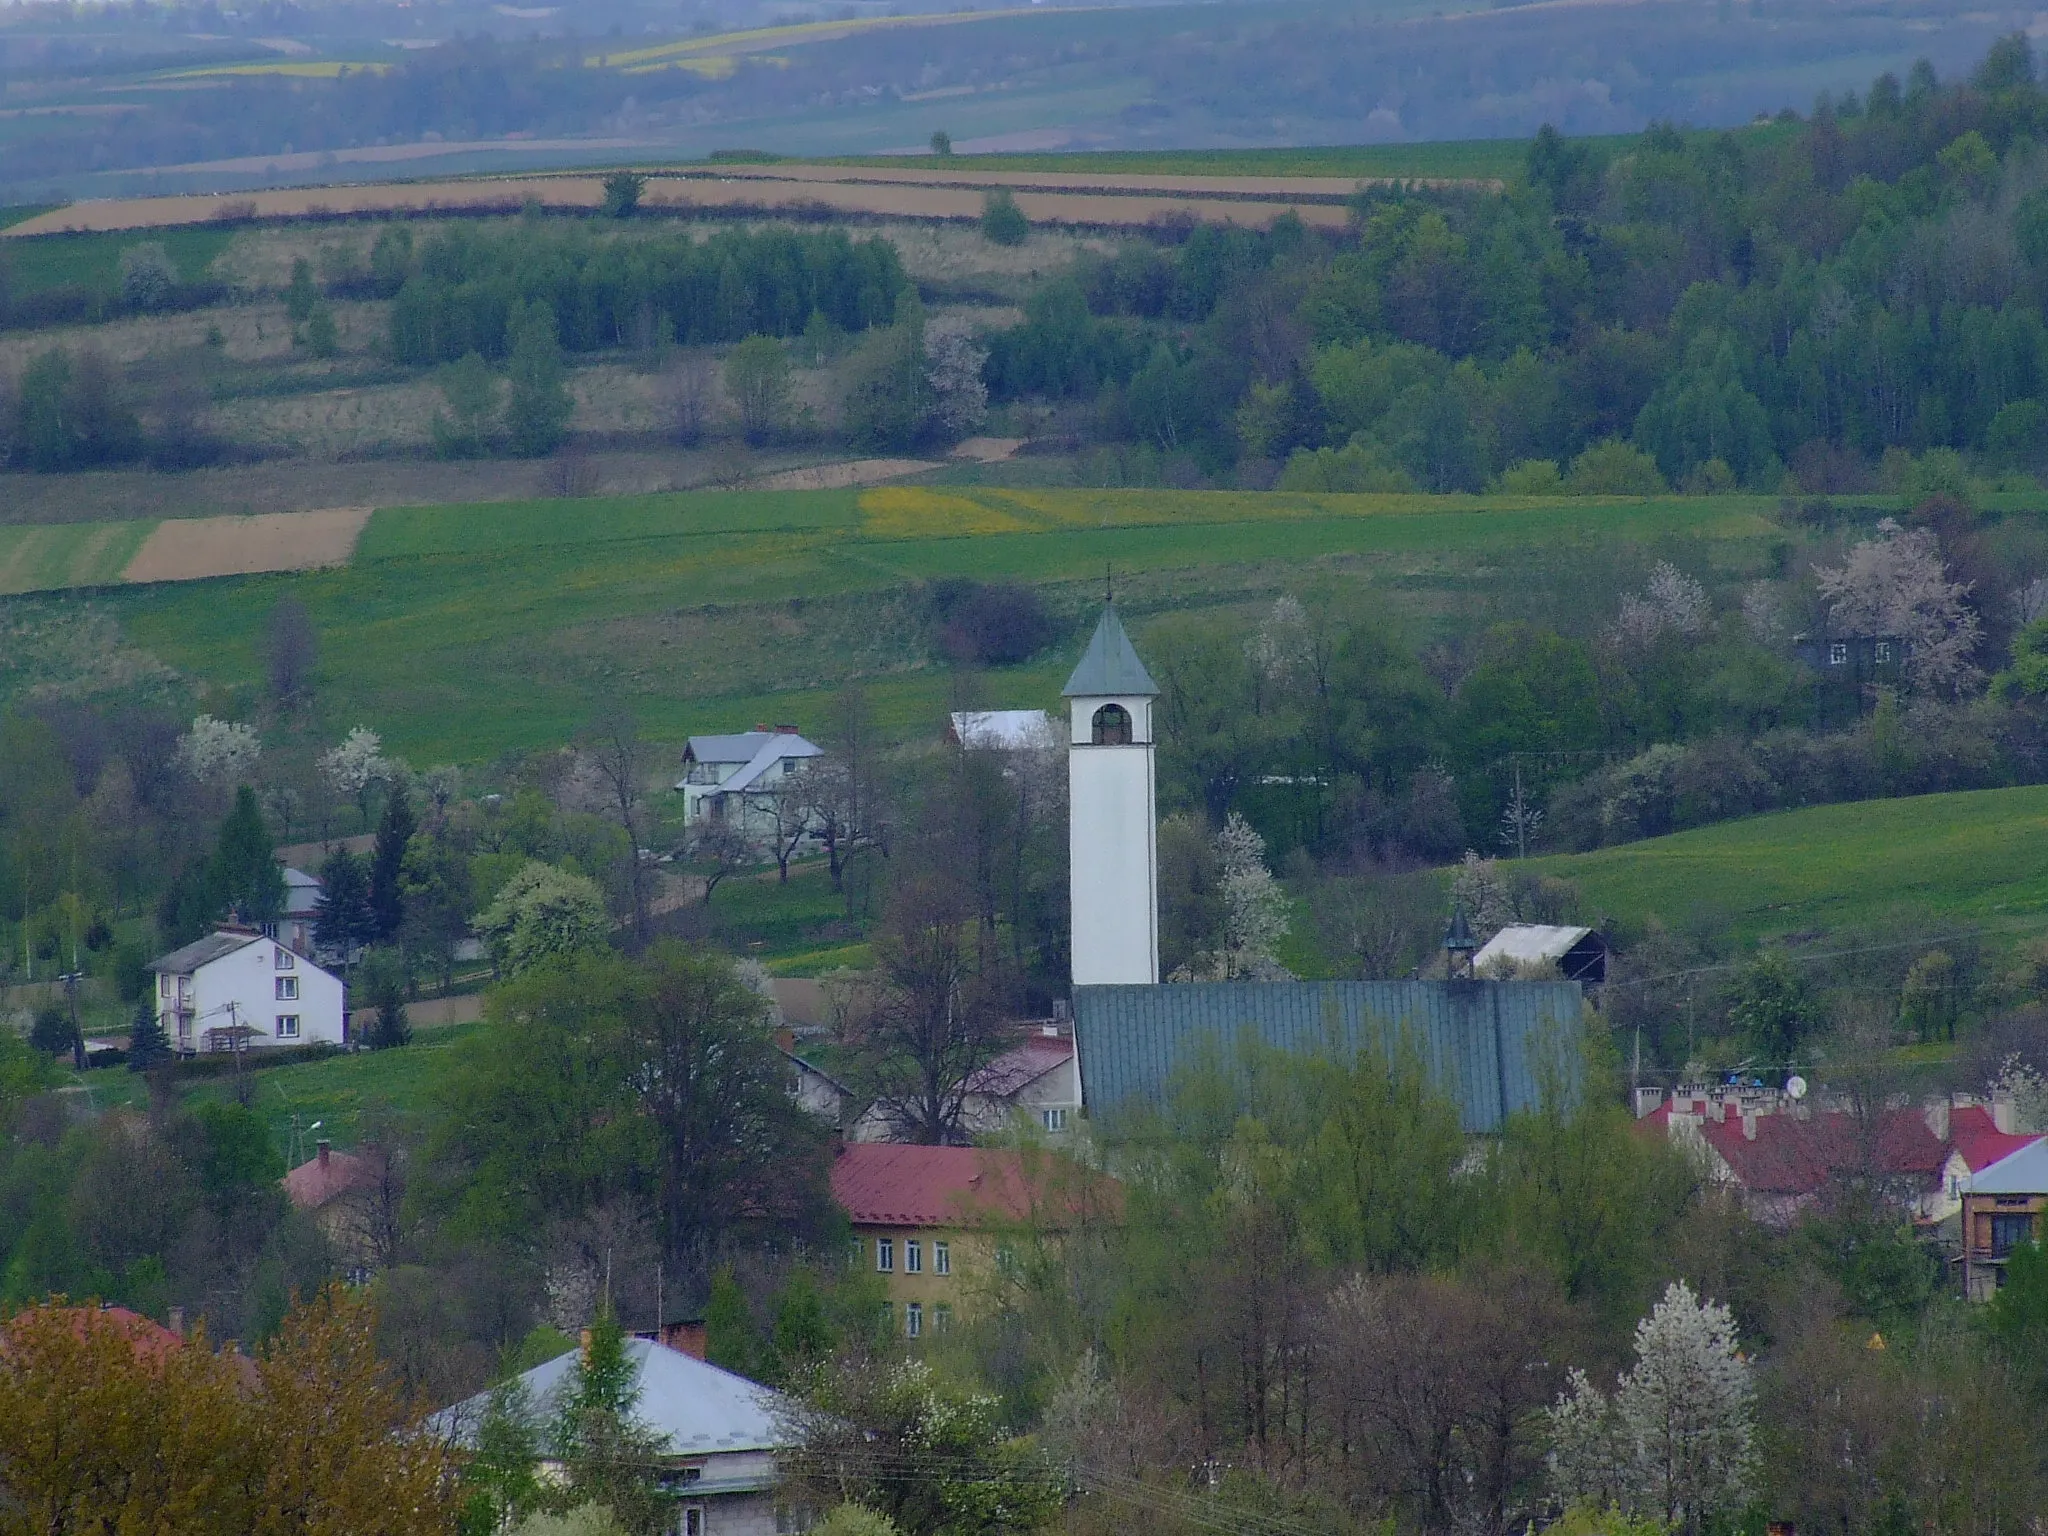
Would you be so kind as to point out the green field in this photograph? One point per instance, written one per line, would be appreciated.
(21, 213)
(38, 262)
(1499, 158)
(1975, 860)
(56, 556)
(465, 632)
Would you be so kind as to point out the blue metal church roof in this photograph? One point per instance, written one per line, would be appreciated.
(1482, 1042)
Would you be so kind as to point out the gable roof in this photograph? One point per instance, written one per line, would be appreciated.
(1480, 1041)
(1021, 1065)
(1529, 941)
(181, 962)
(149, 1340)
(1110, 665)
(1002, 729)
(755, 751)
(886, 1184)
(2024, 1172)
(695, 1405)
(1798, 1154)
(1978, 1140)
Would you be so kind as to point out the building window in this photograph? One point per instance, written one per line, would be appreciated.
(1838, 654)
(853, 1253)
(885, 1254)
(1884, 652)
(2008, 1230)
(942, 1318)
(942, 1258)
(1006, 1261)
(287, 1026)
(287, 989)
(692, 1522)
(285, 959)
(913, 1257)
(1112, 726)
(1055, 1119)
(163, 986)
(888, 1316)
(913, 1320)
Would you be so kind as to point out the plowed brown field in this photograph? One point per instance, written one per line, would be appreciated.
(192, 548)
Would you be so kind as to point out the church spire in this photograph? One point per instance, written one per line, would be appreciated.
(1110, 666)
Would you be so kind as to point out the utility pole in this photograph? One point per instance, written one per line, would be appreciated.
(71, 979)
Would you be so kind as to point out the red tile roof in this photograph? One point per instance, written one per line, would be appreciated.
(324, 1177)
(1973, 1133)
(884, 1184)
(1798, 1154)
(150, 1341)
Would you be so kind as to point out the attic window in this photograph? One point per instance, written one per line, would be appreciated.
(1112, 726)
(1838, 654)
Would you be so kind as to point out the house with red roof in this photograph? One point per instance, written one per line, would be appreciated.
(351, 1196)
(1033, 1086)
(937, 1224)
(1781, 1155)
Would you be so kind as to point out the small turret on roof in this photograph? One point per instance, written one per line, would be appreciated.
(1110, 667)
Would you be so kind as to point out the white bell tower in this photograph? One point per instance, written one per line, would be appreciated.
(1112, 829)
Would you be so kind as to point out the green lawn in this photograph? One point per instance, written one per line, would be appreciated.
(60, 555)
(1977, 859)
(21, 213)
(464, 632)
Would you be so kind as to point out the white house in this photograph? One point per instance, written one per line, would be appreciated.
(1035, 1085)
(736, 778)
(294, 929)
(232, 986)
(1001, 730)
(719, 1433)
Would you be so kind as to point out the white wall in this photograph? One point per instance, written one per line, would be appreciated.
(248, 978)
(1112, 835)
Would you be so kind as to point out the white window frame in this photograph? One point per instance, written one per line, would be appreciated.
(942, 1317)
(690, 1521)
(1884, 652)
(287, 1026)
(913, 1320)
(1838, 654)
(1055, 1119)
(942, 1258)
(286, 989)
(286, 960)
(885, 1255)
(913, 1256)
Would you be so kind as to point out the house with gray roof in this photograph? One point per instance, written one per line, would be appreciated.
(719, 1432)
(740, 778)
(238, 990)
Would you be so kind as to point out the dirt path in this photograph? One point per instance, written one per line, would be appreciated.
(838, 477)
(190, 549)
(987, 450)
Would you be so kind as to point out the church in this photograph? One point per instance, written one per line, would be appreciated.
(1488, 1044)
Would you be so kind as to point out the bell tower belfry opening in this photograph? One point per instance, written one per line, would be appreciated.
(1112, 812)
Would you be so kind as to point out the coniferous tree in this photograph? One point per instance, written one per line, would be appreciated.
(245, 876)
(606, 1451)
(387, 864)
(346, 920)
(148, 1046)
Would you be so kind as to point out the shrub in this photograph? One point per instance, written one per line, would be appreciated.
(147, 276)
(1002, 221)
(1615, 468)
(1356, 467)
(993, 624)
(1531, 477)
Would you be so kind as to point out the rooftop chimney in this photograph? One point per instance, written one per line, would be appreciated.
(324, 1147)
(1748, 1124)
(175, 1320)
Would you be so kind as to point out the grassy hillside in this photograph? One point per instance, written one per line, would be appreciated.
(49, 558)
(1502, 158)
(94, 261)
(1970, 860)
(463, 632)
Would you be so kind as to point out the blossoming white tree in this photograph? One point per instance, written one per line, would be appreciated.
(351, 768)
(217, 752)
(1676, 1438)
(1896, 586)
(1673, 603)
(1254, 905)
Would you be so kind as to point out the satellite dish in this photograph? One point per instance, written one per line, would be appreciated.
(1795, 1086)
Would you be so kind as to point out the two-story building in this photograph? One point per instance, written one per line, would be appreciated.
(235, 989)
(2002, 1208)
(739, 778)
(938, 1224)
